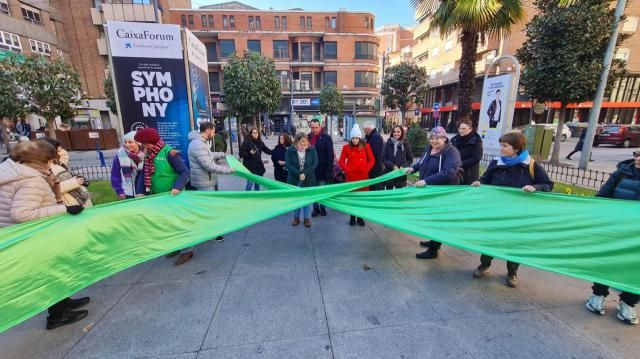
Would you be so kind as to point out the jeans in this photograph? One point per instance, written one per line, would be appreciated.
(306, 211)
(316, 205)
(256, 186)
(512, 267)
(629, 298)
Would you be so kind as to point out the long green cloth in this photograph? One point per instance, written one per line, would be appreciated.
(594, 239)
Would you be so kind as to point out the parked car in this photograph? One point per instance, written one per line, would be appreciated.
(619, 135)
(566, 131)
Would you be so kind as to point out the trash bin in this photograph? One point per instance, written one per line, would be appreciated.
(539, 140)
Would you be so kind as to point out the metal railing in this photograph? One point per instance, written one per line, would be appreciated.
(92, 173)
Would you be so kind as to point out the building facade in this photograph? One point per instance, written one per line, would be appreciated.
(310, 49)
(441, 57)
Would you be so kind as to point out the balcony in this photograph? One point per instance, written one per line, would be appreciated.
(129, 12)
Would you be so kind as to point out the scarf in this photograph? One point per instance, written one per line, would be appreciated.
(523, 157)
(80, 194)
(149, 166)
(396, 144)
(314, 138)
(129, 164)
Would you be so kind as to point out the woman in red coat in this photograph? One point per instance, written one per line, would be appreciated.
(356, 161)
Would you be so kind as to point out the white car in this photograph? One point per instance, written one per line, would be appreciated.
(566, 132)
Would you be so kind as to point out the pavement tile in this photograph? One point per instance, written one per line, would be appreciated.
(308, 348)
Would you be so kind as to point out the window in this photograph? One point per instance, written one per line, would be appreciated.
(227, 47)
(334, 23)
(225, 22)
(190, 20)
(9, 41)
(4, 7)
(435, 52)
(204, 20)
(258, 23)
(295, 51)
(251, 22)
(317, 80)
(448, 45)
(232, 22)
(280, 49)
(39, 47)
(31, 15)
(433, 73)
(446, 69)
(254, 45)
(212, 54)
(214, 81)
(306, 79)
(277, 22)
(284, 23)
(309, 22)
(366, 22)
(316, 51)
(366, 79)
(371, 23)
(326, 22)
(629, 25)
(302, 23)
(183, 20)
(331, 77)
(366, 50)
(330, 50)
(306, 52)
(211, 21)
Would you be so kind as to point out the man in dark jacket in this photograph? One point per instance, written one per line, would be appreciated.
(469, 144)
(624, 183)
(324, 148)
(375, 141)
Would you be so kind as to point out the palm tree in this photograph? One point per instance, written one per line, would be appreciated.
(471, 18)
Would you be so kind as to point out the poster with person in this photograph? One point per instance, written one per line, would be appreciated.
(494, 112)
(198, 79)
(150, 80)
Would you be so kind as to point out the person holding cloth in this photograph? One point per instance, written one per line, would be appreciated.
(324, 148)
(356, 160)
(375, 141)
(251, 153)
(127, 167)
(397, 154)
(469, 144)
(301, 162)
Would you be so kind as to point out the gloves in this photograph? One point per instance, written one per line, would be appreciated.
(74, 209)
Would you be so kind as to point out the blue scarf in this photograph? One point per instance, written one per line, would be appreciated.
(512, 161)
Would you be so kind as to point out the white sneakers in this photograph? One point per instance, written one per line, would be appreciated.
(595, 303)
(626, 313)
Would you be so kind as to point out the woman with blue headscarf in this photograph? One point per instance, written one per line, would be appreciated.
(514, 168)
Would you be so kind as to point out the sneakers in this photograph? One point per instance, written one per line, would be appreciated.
(512, 280)
(481, 271)
(626, 313)
(315, 212)
(360, 222)
(323, 212)
(184, 258)
(429, 254)
(67, 317)
(295, 222)
(595, 303)
(307, 222)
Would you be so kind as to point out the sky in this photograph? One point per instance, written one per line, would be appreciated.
(386, 12)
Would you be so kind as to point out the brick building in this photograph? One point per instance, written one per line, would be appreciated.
(310, 49)
(441, 58)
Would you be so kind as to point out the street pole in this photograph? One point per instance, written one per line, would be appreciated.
(585, 155)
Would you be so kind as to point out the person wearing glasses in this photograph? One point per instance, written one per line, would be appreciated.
(439, 165)
(469, 144)
(624, 183)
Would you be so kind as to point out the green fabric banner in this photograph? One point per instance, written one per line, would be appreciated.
(594, 239)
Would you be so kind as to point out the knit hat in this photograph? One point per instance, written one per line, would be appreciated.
(147, 135)
(438, 132)
(355, 131)
(129, 136)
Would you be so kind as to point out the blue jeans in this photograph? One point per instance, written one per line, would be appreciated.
(317, 205)
(306, 210)
(256, 186)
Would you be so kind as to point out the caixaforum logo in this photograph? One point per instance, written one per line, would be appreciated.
(144, 36)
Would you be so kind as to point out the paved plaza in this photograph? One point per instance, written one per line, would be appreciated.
(331, 291)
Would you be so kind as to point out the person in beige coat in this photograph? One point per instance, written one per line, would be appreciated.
(30, 191)
(71, 187)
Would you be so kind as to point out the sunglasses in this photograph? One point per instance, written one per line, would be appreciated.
(636, 154)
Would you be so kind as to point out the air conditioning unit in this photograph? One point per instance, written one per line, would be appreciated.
(296, 85)
(305, 86)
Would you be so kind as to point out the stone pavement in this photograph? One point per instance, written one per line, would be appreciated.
(331, 291)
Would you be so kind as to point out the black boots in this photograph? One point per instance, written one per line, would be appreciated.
(61, 314)
(353, 220)
(430, 253)
(315, 213)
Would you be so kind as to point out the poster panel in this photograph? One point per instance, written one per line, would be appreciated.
(493, 111)
(198, 79)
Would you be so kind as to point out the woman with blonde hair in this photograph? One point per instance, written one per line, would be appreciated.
(301, 161)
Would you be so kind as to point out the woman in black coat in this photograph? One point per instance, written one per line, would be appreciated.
(278, 157)
(514, 168)
(251, 153)
(301, 160)
(624, 183)
(396, 154)
(469, 144)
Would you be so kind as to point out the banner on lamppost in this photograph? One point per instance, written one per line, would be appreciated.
(496, 93)
(198, 79)
(149, 74)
